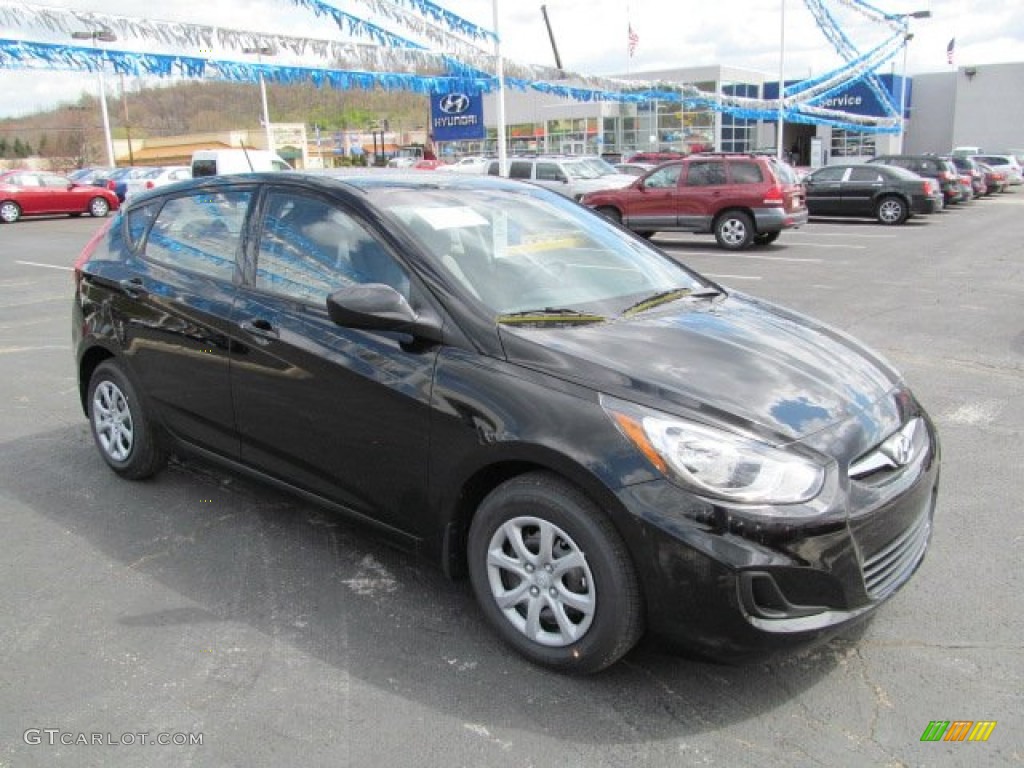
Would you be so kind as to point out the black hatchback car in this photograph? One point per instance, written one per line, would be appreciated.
(887, 193)
(512, 385)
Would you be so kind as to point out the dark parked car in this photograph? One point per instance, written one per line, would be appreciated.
(931, 167)
(887, 193)
(509, 384)
(35, 193)
(967, 167)
(742, 199)
(116, 180)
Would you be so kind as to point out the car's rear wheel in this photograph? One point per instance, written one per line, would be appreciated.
(98, 207)
(610, 213)
(121, 427)
(734, 230)
(766, 238)
(891, 210)
(553, 576)
(10, 211)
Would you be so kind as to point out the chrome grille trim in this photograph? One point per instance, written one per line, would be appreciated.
(889, 567)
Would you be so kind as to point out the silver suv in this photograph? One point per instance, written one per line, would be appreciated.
(572, 176)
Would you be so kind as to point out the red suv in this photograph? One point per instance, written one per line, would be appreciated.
(742, 199)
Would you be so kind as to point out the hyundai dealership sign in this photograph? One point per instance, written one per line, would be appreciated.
(456, 116)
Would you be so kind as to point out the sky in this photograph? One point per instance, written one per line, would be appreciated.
(592, 35)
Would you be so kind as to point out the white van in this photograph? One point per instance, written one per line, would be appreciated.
(216, 162)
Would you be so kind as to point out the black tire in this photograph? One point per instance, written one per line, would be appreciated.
(734, 230)
(98, 207)
(610, 213)
(766, 238)
(586, 575)
(891, 210)
(122, 429)
(646, 234)
(10, 211)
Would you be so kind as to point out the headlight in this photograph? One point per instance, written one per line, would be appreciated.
(716, 463)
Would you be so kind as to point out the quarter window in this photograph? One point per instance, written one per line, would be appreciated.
(200, 233)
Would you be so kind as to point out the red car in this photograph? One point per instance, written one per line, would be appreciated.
(33, 193)
(742, 199)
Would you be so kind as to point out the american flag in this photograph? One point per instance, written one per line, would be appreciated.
(633, 38)
(949, 50)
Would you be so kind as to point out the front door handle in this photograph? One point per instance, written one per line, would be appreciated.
(260, 328)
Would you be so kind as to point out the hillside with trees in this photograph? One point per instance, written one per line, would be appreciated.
(73, 132)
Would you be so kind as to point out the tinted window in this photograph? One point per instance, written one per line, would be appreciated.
(664, 178)
(520, 170)
(745, 172)
(829, 174)
(310, 248)
(929, 166)
(200, 233)
(204, 168)
(549, 172)
(865, 174)
(705, 173)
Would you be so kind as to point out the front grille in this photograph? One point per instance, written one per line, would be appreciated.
(889, 567)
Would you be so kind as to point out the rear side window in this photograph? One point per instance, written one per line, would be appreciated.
(705, 174)
(744, 172)
(865, 174)
(200, 233)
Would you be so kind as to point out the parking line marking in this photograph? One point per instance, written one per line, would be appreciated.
(44, 266)
(844, 234)
(779, 258)
(731, 277)
(830, 245)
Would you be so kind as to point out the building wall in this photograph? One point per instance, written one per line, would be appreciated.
(989, 109)
(931, 114)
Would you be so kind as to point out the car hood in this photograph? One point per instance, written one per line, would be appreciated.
(732, 358)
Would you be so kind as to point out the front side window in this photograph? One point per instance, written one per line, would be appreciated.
(664, 178)
(310, 247)
(200, 233)
(828, 174)
(549, 172)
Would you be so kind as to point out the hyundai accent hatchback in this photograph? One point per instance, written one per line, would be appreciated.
(605, 441)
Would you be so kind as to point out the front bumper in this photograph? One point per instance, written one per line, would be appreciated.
(732, 588)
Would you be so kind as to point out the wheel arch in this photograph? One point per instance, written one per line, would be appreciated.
(734, 209)
(89, 362)
(463, 504)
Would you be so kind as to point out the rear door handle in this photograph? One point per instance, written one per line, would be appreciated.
(260, 328)
(133, 286)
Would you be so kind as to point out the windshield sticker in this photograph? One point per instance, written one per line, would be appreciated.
(456, 217)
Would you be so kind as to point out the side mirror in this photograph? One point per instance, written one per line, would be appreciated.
(379, 307)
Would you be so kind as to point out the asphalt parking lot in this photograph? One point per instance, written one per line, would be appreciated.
(200, 607)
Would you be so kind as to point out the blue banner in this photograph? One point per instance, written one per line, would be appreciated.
(455, 116)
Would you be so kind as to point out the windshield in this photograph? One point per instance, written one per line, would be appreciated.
(600, 166)
(536, 252)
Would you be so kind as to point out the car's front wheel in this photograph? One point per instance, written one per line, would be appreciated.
(121, 427)
(891, 210)
(98, 207)
(734, 230)
(553, 576)
(10, 211)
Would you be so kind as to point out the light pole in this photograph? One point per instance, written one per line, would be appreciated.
(264, 50)
(907, 37)
(101, 36)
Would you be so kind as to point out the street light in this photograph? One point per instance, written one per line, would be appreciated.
(101, 36)
(907, 37)
(264, 50)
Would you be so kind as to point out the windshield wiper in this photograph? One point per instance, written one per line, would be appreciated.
(549, 315)
(665, 297)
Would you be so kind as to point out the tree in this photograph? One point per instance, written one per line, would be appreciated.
(4, 149)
